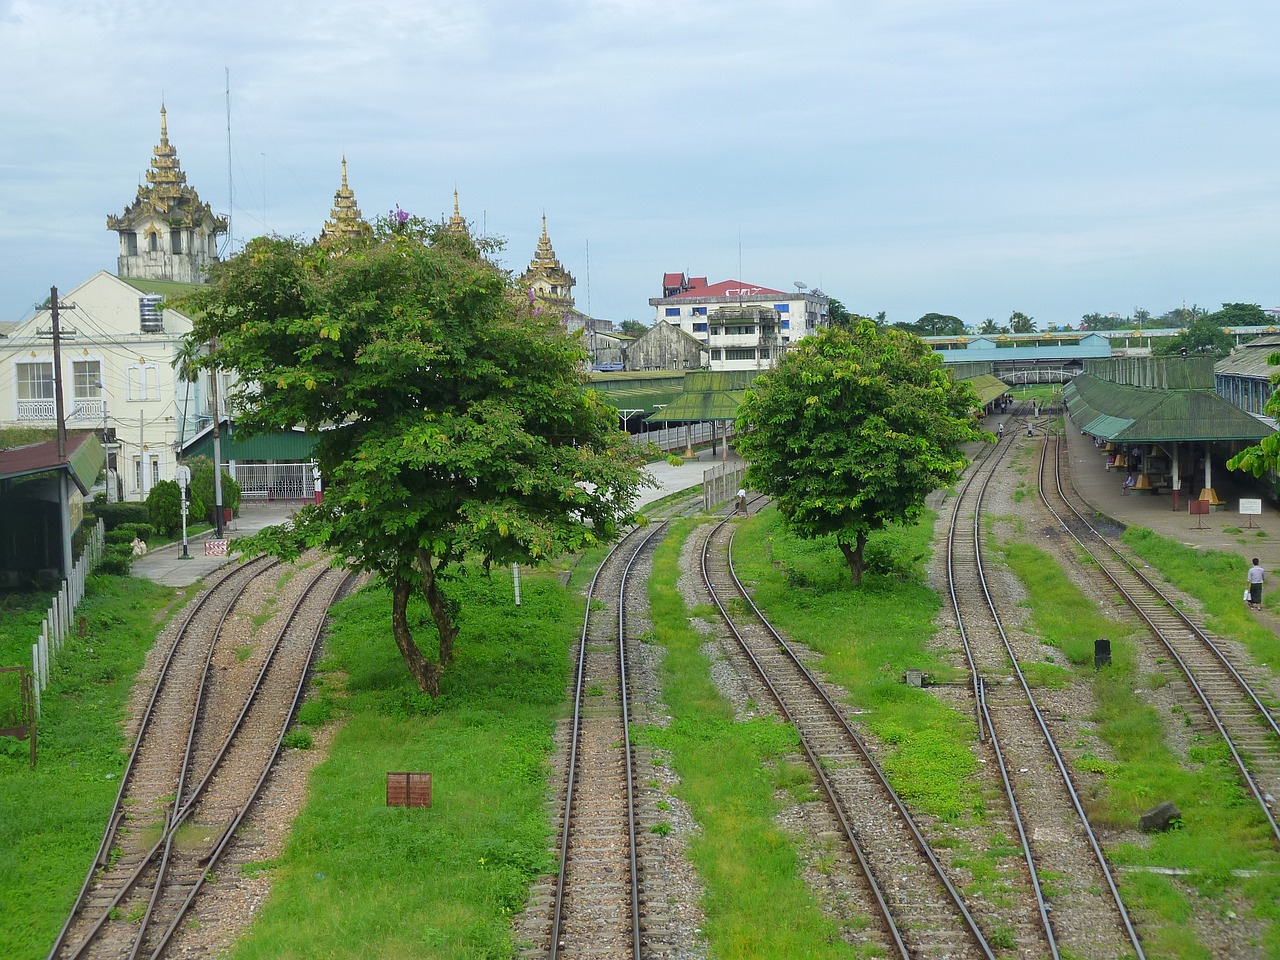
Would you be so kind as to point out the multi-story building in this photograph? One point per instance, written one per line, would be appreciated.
(744, 326)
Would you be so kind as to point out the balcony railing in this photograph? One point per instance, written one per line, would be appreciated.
(36, 411)
(32, 411)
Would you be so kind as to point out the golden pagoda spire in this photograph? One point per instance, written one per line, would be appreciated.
(546, 277)
(345, 217)
(456, 225)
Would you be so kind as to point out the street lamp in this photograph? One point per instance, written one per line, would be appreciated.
(106, 452)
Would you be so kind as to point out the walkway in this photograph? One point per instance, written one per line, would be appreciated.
(167, 565)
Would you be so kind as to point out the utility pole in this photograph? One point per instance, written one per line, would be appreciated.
(64, 476)
(217, 449)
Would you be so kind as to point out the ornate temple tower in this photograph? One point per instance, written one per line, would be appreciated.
(345, 220)
(456, 225)
(167, 233)
(550, 283)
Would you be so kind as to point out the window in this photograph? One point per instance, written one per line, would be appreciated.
(673, 311)
(153, 242)
(35, 381)
(699, 328)
(86, 376)
(782, 307)
(699, 311)
(175, 241)
(740, 353)
(130, 243)
(717, 354)
(143, 381)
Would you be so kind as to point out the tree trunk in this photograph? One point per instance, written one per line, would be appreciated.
(425, 673)
(854, 557)
(440, 609)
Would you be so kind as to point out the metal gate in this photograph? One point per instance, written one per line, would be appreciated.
(274, 481)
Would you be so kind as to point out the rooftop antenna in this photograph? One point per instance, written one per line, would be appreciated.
(589, 279)
(801, 287)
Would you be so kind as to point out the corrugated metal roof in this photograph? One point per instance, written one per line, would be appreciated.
(1115, 411)
(284, 446)
(84, 459)
(708, 395)
(987, 387)
(1251, 359)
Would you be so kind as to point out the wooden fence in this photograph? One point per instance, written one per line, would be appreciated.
(58, 619)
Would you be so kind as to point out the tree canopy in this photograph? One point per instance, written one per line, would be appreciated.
(451, 414)
(852, 430)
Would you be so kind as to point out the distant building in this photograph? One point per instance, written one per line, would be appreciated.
(665, 346)
(167, 233)
(743, 326)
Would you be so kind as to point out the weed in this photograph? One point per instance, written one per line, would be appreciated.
(661, 829)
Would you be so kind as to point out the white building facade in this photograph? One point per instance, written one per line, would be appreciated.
(117, 346)
(744, 326)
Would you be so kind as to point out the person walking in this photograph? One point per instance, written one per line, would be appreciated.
(1000, 430)
(1256, 576)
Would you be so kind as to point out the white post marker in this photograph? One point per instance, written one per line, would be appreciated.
(515, 577)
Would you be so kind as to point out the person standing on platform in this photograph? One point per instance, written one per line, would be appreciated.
(1256, 576)
(1000, 430)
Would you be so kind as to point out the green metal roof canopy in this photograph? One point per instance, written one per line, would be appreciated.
(708, 395)
(987, 387)
(1115, 411)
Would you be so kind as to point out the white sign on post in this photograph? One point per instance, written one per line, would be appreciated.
(1252, 508)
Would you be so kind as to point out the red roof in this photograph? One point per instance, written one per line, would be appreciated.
(673, 279)
(729, 288)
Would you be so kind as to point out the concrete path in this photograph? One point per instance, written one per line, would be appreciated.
(167, 565)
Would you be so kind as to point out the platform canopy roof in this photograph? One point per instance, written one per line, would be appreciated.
(1120, 412)
(83, 463)
(708, 395)
(987, 387)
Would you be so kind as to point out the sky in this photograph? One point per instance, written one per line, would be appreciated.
(906, 156)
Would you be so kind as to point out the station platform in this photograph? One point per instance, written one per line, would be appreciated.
(1224, 529)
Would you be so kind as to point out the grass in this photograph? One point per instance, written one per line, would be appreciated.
(1222, 830)
(52, 818)
(360, 879)
(1216, 579)
(735, 778)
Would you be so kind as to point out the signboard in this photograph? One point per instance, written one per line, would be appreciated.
(1198, 507)
(184, 476)
(408, 789)
(1251, 508)
(215, 548)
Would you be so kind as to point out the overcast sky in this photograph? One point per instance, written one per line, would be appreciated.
(970, 158)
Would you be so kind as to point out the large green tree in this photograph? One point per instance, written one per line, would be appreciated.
(451, 414)
(852, 430)
(1019, 322)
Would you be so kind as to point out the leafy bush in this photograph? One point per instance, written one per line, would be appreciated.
(127, 531)
(114, 514)
(116, 560)
(202, 492)
(164, 507)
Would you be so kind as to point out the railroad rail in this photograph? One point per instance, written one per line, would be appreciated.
(1023, 749)
(1224, 684)
(918, 910)
(208, 738)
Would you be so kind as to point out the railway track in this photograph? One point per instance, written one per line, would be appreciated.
(596, 904)
(226, 691)
(916, 909)
(1228, 691)
(1089, 917)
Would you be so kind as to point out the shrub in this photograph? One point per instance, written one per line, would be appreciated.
(127, 531)
(164, 507)
(114, 514)
(116, 560)
(202, 492)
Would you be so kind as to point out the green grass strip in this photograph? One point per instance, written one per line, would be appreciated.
(52, 818)
(1222, 829)
(869, 636)
(730, 776)
(359, 879)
